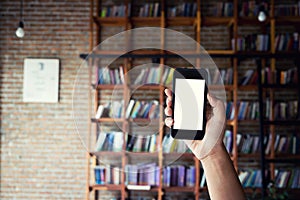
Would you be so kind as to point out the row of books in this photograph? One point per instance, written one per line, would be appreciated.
(111, 76)
(142, 174)
(113, 141)
(286, 110)
(179, 175)
(107, 174)
(109, 141)
(253, 42)
(114, 10)
(223, 9)
(149, 75)
(285, 144)
(224, 76)
(246, 143)
(247, 110)
(252, 8)
(283, 110)
(170, 145)
(280, 76)
(141, 143)
(135, 109)
(287, 178)
(250, 178)
(287, 42)
(150, 10)
(111, 109)
(287, 9)
(250, 143)
(287, 76)
(284, 178)
(146, 76)
(142, 109)
(183, 10)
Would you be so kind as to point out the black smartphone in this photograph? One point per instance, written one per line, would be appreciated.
(189, 103)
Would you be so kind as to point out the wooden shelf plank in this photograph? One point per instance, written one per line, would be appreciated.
(145, 21)
(107, 187)
(178, 189)
(295, 122)
(220, 52)
(175, 154)
(252, 21)
(247, 88)
(108, 119)
(181, 21)
(109, 87)
(108, 153)
(284, 20)
(221, 87)
(281, 86)
(214, 21)
(110, 21)
(144, 120)
(142, 154)
(147, 87)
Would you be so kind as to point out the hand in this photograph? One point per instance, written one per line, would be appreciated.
(214, 131)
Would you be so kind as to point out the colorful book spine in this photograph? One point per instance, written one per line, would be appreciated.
(142, 109)
(179, 175)
(141, 143)
(111, 141)
(142, 174)
(107, 175)
(110, 75)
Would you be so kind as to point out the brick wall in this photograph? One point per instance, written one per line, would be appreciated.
(41, 154)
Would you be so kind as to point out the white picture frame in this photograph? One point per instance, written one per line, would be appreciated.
(41, 80)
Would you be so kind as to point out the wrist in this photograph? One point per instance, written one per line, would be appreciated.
(217, 154)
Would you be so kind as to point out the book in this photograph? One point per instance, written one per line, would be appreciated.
(99, 175)
(100, 141)
(228, 140)
(129, 108)
(109, 141)
(144, 174)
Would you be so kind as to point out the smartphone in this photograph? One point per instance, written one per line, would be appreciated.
(189, 103)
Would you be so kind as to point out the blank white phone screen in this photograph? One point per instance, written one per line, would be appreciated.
(189, 104)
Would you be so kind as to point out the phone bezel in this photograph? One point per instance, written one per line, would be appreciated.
(189, 73)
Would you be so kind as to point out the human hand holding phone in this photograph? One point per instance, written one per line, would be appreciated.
(214, 130)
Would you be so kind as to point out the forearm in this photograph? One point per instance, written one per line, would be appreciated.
(222, 180)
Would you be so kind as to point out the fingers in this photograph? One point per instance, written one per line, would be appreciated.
(168, 92)
(169, 102)
(169, 122)
(212, 100)
(168, 111)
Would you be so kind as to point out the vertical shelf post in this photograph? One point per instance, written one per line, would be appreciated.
(261, 130)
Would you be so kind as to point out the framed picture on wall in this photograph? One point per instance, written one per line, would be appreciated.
(41, 80)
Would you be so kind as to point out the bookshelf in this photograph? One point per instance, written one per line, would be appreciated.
(166, 14)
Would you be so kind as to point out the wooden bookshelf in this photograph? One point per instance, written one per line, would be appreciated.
(199, 21)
